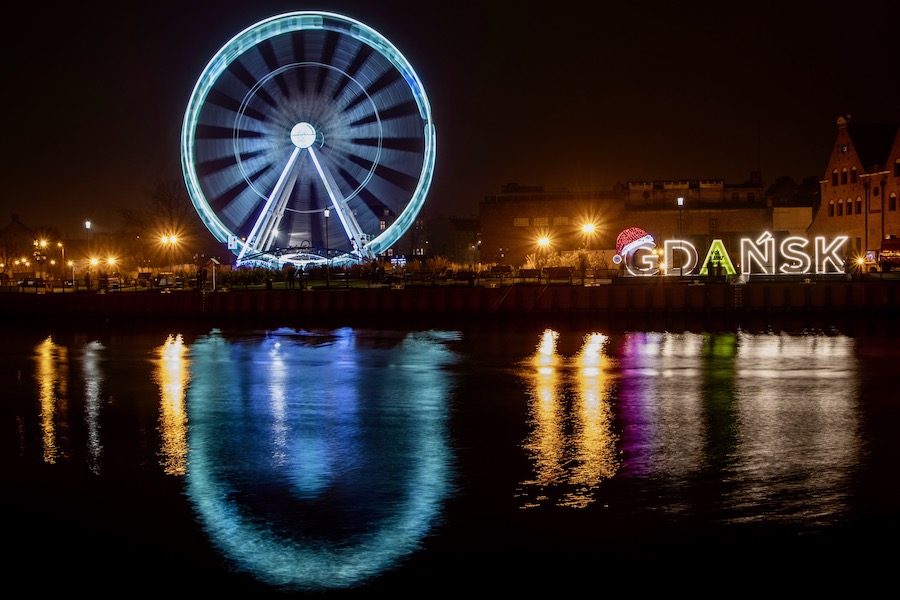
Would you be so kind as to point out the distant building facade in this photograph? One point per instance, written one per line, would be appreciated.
(861, 186)
(514, 220)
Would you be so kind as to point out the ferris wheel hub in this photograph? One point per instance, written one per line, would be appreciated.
(303, 135)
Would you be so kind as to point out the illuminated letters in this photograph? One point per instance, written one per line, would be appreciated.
(683, 247)
(792, 256)
(764, 258)
(792, 250)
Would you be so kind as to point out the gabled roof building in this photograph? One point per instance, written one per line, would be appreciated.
(861, 185)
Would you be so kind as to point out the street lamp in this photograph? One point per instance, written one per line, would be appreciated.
(87, 228)
(71, 264)
(327, 251)
(62, 259)
(680, 234)
(588, 230)
(168, 242)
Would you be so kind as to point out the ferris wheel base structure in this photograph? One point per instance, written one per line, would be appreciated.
(301, 117)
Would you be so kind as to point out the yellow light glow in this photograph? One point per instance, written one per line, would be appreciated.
(172, 375)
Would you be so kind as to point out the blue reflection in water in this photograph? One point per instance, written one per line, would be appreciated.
(318, 461)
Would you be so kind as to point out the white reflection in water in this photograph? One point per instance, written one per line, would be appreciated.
(660, 400)
(91, 356)
(798, 437)
(318, 460)
(172, 374)
(51, 373)
(772, 418)
(571, 443)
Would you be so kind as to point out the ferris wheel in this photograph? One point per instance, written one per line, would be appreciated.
(308, 135)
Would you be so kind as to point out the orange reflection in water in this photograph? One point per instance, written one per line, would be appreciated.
(52, 374)
(571, 443)
(172, 375)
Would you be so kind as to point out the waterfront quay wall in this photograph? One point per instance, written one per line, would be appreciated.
(839, 298)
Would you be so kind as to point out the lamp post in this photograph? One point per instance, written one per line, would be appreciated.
(588, 230)
(62, 260)
(87, 228)
(168, 242)
(327, 252)
(680, 234)
(71, 264)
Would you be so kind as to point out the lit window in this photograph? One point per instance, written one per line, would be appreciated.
(560, 220)
(541, 221)
(382, 225)
(520, 222)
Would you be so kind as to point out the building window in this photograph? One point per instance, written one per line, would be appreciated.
(858, 205)
(520, 222)
(840, 211)
(751, 197)
(541, 221)
(382, 225)
(844, 177)
(735, 197)
(897, 168)
(831, 208)
(834, 177)
(853, 175)
(892, 203)
(560, 220)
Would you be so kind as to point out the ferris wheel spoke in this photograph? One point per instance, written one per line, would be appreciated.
(345, 214)
(264, 231)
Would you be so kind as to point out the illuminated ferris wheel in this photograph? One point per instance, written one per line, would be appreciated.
(308, 132)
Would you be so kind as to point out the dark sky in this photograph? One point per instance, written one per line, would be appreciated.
(562, 96)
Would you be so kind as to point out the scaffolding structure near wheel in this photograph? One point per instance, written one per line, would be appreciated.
(308, 130)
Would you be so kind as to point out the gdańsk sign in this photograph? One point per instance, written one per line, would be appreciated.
(793, 255)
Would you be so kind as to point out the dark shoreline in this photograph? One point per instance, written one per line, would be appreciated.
(716, 306)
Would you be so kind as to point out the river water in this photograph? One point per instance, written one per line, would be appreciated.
(530, 460)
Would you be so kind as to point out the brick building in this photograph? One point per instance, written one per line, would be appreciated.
(861, 185)
(514, 220)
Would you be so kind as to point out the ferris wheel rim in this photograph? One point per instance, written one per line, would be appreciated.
(294, 21)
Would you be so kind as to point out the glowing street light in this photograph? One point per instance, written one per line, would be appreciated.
(169, 242)
(680, 233)
(588, 230)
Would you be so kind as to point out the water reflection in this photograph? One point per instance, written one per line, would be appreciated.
(771, 419)
(571, 443)
(91, 356)
(172, 373)
(319, 460)
(51, 373)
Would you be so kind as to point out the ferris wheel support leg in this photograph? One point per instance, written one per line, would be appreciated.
(351, 226)
(266, 227)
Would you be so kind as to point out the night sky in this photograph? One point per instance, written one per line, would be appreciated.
(563, 97)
